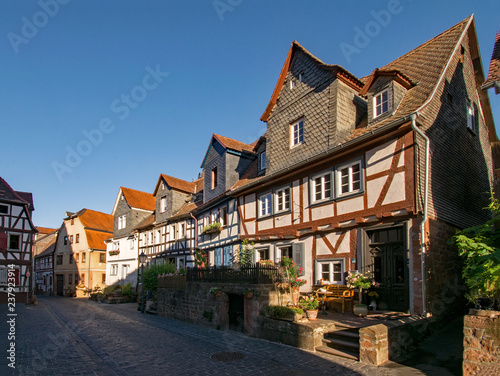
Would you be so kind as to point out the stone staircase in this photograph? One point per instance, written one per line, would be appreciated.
(344, 342)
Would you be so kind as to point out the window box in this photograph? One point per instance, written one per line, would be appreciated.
(212, 228)
(114, 253)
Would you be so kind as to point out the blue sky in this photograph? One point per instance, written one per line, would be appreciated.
(137, 88)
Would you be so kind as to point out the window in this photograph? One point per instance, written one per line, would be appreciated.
(471, 116)
(227, 256)
(262, 160)
(4, 209)
(263, 254)
(349, 178)
(76, 279)
(59, 259)
(172, 232)
(301, 76)
(297, 133)
(14, 241)
(218, 257)
(381, 103)
(77, 239)
(214, 178)
(131, 243)
(71, 258)
(70, 279)
(182, 230)
(125, 270)
(265, 204)
(321, 187)
(77, 257)
(223, 216)
(83, 256)
(102, 257)
(213, 216)
(282, 199)
(163, 204)
(285, 252)
(330, 270)
(65, 240)
(103, 278)
(71, 239)
(114, 269)
(122, 222)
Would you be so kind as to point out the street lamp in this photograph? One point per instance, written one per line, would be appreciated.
(142, 261)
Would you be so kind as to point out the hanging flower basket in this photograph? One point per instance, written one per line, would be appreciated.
(114, 253)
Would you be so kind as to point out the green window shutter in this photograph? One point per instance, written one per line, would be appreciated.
(298, 255)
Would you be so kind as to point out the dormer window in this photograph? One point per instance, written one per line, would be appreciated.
(122, 222)
(163, 204)
(471, 116)
(292, 84)
(381, 103)
(262, 160)
(297, 133)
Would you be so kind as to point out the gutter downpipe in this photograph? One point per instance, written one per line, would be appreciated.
(425, 215)
(195, 230)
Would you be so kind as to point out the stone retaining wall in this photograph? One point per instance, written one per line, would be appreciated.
(481, 343)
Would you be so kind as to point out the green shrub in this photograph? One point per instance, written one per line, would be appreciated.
(152, 271)
(127, 290)
(279, 312)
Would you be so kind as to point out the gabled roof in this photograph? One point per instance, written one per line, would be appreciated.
(179, 184)
(494, 72)
(398, 76)
(46, 230)
(136, 199)
(335, 69)
(95, 220)
(95, 239)
(231, 144)
(51, 247)
(7, 193)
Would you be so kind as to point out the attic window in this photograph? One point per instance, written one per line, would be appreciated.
(301, 77)
(214, 178)
(471, 116)
(297, 133)
(292, 84)
(122, 198)
(381, 103)
(462, 54)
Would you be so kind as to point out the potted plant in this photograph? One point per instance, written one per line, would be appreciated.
(248, 293)
(360, 281)
(212, 228)
(310, 304)
(215, 291)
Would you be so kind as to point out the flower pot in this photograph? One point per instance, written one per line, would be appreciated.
(360, 310)
(312, 314)
(218, 293)
(249, 295)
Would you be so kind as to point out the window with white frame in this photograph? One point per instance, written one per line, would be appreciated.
(125, 270)
(282, 199)
(297, 133)
(163, 204)
(262, 160)
(213, 216)
(381, 103)
(122, 222)
(349, 178)
(223, 216)
(265, 204)
(114, 269)
(471, 115)
(262, 254)
(182, 230)
(321, 187)
(227, 256)
(172, 232)
(331, 271)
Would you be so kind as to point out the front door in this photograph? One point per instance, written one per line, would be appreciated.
(389, 264)
(60, 284)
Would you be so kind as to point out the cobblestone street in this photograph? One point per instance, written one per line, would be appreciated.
(63, 336)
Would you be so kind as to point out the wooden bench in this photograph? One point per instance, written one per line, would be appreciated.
(335, 293)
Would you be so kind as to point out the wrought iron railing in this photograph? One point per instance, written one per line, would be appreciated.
(256, 274)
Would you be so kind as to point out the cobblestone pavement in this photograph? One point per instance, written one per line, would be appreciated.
(64, 336)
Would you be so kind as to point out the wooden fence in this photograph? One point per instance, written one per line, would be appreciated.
(256, 274)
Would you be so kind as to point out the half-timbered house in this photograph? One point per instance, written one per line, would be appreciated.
(168, 235)
(43, 260)
(224, 163)
(131, 208)
(80, 253)
(16, 244)
(375, 174)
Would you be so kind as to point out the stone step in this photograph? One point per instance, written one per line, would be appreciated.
(343, 333)
(332, 351)
(335, 342)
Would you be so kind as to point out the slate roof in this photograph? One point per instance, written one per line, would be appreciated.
(139, 199)
(7, 193)
(494, 72)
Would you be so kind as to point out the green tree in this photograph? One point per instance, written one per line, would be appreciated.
(480, 248)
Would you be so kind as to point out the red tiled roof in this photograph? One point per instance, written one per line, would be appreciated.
(179, 184)
(92, 219)
(46, 230)
(229, 143)
(95, 239)
(186, 209)
(139, 199)
(494, 72)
